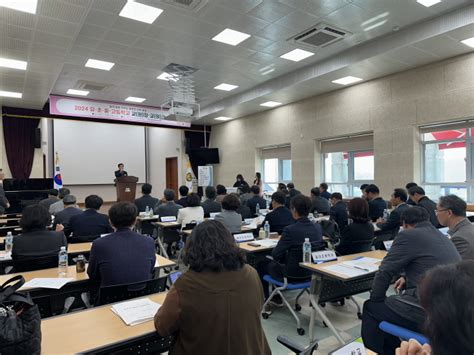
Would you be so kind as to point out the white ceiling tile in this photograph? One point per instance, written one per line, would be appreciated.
(298, 21)
(48, 24)
(113, 47)
(256, 43)
(279, 48)
(276, 33)
(317, 8)
(112, 6)
(270, 11)
(462, 33)
(16, 32)
(100, 18)
(130, 26)
(7, 43)
(61, 11)
(219, 15)
(247, 24)
(17, 18)
(52, 39)
(93, 31)
(120, 37)
(241, 5)
(443, 46)
(349, 18)
(412, 56)
(84, 41)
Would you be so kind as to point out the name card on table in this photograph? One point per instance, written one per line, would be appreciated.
(388, 244)
(168, 219)
(243, 237)
(323, 256)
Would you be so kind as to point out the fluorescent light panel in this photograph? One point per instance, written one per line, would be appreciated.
(13, 64)
(16, 95)
(296, 55)
(78, 92)
(231, 37)
(140, 12)
(223, 118)
(28, 6)
(428, 3)
(99, 64)
(375, 25)
(168, 76)
(347, 80)
(226, 87)
(135, 99)
(468, 42)
(271, 104)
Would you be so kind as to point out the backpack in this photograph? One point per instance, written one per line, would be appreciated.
(331, 231)
(20, 320)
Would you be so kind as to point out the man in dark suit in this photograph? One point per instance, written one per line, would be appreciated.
(90, 224)
(394, 221)
(338, 211)
(120, 172)
(183, 191)
(123, 257)
(210, 205)
(168, 208)
(146, 200)
(280, 216)
(52, 198)
(292, 192)
(256, 199)
(408, 186)
(417, 194)
(377, 205)
(323, 188)
(292, 239)
(70, 209)
(319, 204)
(417, 249)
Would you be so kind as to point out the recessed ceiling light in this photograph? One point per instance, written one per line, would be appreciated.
(271, 104)
(168, 76)
(99, 64)
(78, 92)
(226, 87)
(223, 118)
(135, 99)
(347, 80)
(16, 95)
(296, 55)
(468, 42)
(13, 64)
(20, 5)
(140, 12)
(231, 37)
(428, 3)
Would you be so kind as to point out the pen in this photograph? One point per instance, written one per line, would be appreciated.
(361, 268)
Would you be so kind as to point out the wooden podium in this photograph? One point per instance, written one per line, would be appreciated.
(126, 188)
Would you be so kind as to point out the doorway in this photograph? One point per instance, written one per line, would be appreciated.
(172, 175)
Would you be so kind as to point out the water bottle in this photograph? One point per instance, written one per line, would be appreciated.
(385, 214)
(147, 211)
(268, 204)
(307, 251)
(62, 262)
(257, 209)
(266, 228)
(9, 242)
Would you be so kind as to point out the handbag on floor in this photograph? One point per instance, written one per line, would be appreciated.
(20, 320)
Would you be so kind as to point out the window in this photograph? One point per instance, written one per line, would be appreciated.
(348, 163)
(276, 167)
(448, 160)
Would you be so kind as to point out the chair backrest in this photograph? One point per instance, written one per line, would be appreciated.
(294, 258)
(117, 293)
(82, 238)
(30, 263)
(190, 226)
(360, 246)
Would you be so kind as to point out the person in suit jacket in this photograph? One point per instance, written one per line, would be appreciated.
(239, 182)
(398, 201)
(52, 198)
(221, 193)
(280, 216)
(323, 187)
(220, 288)
(146, 199)
(229, 216)
(183, 192)
(59, 206)
(319, 204)
(244, 211)
(210, 205)
(89, 223)
(338, 211)
(451, 212)
(292, 192)
(121, 171)
(245, 195)
(70, 209)
(193, 212)
(357, 236)
(292, 238)
(410, 202)
(123, 257)
(35, 240)
(417, 194)
(168, 208)
(417, 249)
(377, 205)
(256, 199)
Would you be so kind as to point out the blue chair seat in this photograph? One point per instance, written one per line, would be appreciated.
(290, 286)
(402, 333)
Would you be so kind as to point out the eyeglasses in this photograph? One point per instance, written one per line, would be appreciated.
(444, 209)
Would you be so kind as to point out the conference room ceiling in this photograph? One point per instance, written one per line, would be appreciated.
(59, 39)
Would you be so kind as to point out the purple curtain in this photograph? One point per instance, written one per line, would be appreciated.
(19, 135)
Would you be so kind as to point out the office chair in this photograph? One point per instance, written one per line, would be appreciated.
(297, 348)
(182, 242)
(32, 263)
(82, 238)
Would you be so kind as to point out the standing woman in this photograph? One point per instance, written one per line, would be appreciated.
(258, 181)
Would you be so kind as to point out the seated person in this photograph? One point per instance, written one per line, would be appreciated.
(256, 199)
(59, 205)
(377, 205)
(417, 249)
(210, 205)
(239, 182)
(338, 211)
(410, 202)
(319, 204)
(36, 240)
(355, 237)
(193, 212)
(417, 194)
(183, 191)
(292, 239)
(70, 209)
(146, 200)
(229, 216)
(292, 192)
(398, 201)
(362, 191)
(244, 211)
(220, 288)
(168, 208)
(221, 193)
(280, 216)
(444, 293)
(451, 212)
(245, 195)
(123, 257)
(52, 198)
(90, 223)
(323, 188)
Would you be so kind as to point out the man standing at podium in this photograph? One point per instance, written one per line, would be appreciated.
(120, 172)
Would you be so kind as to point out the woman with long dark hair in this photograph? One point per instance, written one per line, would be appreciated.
(258, 181)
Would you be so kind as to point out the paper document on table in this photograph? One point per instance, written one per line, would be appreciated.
(355, 347)
(364, 264)
(54, 283)
(136, 312)
(268, 242)
(347, 271)
(5, 256)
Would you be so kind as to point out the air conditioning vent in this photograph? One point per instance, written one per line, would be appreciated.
(91, 86)
(194, 5)
(320, 36)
